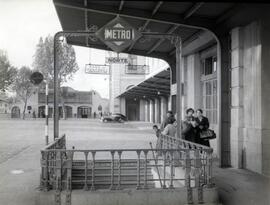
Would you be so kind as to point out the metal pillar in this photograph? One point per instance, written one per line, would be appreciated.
(176, 40)
(55, 87)
(178, 46)
(47, 115)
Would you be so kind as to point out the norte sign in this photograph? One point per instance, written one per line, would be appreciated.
(118, 34)
(111, 60)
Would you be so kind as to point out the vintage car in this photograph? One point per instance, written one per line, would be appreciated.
(116, 117)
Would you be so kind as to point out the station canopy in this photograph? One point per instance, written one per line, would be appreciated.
(156, 85)
(182, 18)
(186, 19)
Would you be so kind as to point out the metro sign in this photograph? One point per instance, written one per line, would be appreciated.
(118, 34)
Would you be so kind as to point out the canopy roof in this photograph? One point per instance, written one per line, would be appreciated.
(183, 18)
(157, 85)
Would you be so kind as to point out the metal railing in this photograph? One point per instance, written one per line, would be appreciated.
(57, 164)
(52, 164)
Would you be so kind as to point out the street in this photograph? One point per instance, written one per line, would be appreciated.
(21, 141)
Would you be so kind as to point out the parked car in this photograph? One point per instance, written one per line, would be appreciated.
(116, 117)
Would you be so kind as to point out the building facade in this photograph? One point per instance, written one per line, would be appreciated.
(123, 76)
(77, 104)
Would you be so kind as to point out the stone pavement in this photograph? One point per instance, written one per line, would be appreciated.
(20, 170)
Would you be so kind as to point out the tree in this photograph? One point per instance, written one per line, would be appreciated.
(22, 86)
(66, 63)
(7, 72)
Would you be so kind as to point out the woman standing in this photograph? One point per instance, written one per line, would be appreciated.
(202, 125)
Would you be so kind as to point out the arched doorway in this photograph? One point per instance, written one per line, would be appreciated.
(84, 112)
(133, 109)
(41, 112)
(68, 110)
(15, 112)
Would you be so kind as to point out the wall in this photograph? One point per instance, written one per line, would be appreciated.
(250, 103)
(265, 101)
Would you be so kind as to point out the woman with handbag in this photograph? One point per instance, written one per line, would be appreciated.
(202, 128)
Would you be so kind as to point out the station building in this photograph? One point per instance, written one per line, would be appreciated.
(224, 67)
(78, 104)
(124, 76)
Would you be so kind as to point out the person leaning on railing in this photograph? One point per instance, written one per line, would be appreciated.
(164, 123)
(159, 139)
(170, 128)
(188, 126)
(202, 124)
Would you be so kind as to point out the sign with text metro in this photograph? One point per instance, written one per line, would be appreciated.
(118, 34)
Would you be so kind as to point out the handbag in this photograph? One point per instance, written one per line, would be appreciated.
(207, 134)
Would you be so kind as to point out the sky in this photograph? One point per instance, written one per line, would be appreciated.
(23, 22)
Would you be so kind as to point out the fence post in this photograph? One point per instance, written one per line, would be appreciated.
(112, 169)
(119, 170)
(187, 177)
(138, 169)
(93, 171)
(69, 177)
(198, 166)
(145, 169)
(85, 171)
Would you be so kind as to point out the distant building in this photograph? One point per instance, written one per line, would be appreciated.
(123, 76)
(78, 104)
(4, 105)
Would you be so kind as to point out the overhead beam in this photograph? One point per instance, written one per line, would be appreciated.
(228, 13)
(170, 31)
(162, 85)
(195, 7)
(121, 5)
(162, 78)
(147, 94)
(147, 22)
(160, 17)
(187, 41)
(149, 91)
(153, 88)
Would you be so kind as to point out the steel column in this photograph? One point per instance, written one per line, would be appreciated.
(179, 86)
(55, 87)
(47, 115)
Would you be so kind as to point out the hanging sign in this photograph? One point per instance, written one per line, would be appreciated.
(137, 69)
(97, 69)
(111, 60)
(118, 34)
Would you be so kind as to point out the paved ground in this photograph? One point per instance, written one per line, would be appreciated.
(21, 141)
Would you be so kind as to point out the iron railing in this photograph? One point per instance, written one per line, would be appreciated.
(52, 164)
(57, 164)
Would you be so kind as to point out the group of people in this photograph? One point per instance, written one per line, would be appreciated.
(192, 126)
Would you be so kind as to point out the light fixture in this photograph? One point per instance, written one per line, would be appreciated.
(158, 93)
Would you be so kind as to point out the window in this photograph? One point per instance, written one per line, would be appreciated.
(210, 100)
(209, 65)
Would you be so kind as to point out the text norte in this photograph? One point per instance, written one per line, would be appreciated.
(118, 34)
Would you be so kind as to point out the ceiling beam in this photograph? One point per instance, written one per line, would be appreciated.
(187, 41)
(160, 17)
(195, 7)
(161, 78)
(121, 5)
(162, 85)
(170, 31)
(228, 13)
(154, 89)
(147, 94)
(147, 22)
(148, 90)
